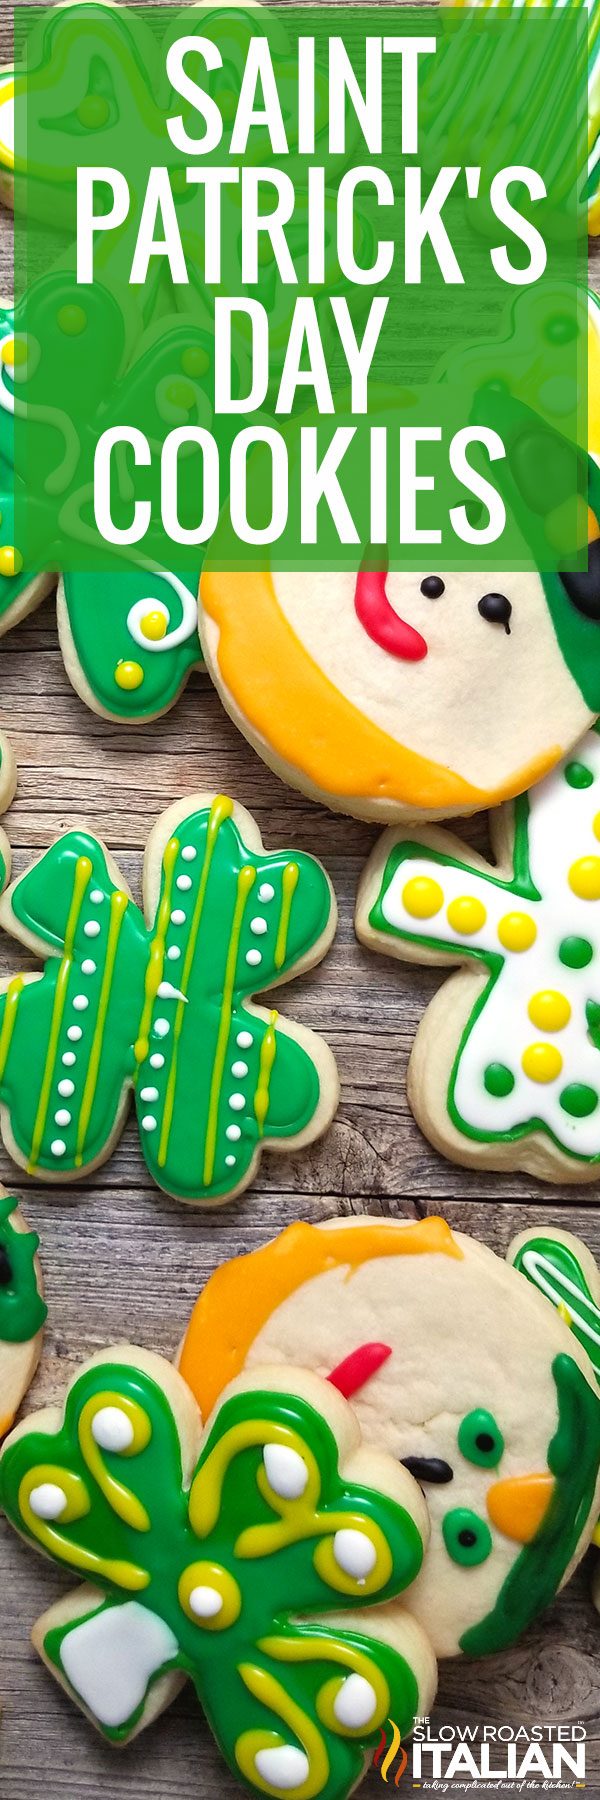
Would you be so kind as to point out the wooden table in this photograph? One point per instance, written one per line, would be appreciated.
(124, 1262)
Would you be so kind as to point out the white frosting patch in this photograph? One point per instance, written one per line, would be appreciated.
(287, 1473)
(110, 1659)
(48, 1500)
(354, 1553)
(285, 1767)
(355, 1704)
(206, 1602)
(112, 1429)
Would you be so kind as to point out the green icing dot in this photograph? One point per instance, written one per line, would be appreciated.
(578, 776)
(498, 1080)
(480, 1439)
(576, 952)
(560, 329)
(467, 1538)
(579, 1100)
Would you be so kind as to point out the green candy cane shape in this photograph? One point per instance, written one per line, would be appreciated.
(164, 1006)
(506, 1066)
(245, 1561)
(565, 1272)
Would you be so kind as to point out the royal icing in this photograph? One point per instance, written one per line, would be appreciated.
(22, 1310)
(226, 1579)
(528, 1059)
(73, 1041)
(552, 1265)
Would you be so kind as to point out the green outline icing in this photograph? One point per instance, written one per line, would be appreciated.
(22, 1310)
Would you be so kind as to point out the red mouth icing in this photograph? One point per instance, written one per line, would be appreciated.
(358, 1368)
(381, 623)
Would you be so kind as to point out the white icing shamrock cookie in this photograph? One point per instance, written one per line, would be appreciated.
(458, 1369)
(505, 1069)
(251, 1558)
(160, 1002)
(22, 1309)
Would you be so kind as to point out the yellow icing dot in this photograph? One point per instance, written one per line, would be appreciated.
(466, 915)
(7, 352)
(71, 320)
(584, 878)
(195, 361)
(129, 675)
(542, 1062)
(422, 897)
(153, 625)
(182, 394)
(517, 931)
(11, 561)
(549, 1010)
(93, 111)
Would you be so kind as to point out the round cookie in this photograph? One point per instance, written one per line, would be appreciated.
(456, 1367)
(22, 1309)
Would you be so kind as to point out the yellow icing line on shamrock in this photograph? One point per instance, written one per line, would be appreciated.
(83, 872)
(156, 960)
(77, 1505)
(118, 906)
(221, 809)
(289, 884)
(250, 1434)
(346, 1656)
(268, 1052)
(245, 881)
(13, 993)
(270, 1694)
(119, 1497)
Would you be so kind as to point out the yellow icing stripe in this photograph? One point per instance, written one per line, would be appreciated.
(54, 1539)
(156, 958)
(268, 1052)
(83, 870)
(273, 1697)
(221, 809)
(119, 1497)
(245, 881)
(291, 875)
(118, 908)
(12, 997)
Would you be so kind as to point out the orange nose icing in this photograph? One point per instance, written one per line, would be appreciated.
(518, 1506)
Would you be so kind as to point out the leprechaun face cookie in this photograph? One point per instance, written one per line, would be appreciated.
(505, 1070)
(458, 1369)
(22, 1309)
(246, 1559)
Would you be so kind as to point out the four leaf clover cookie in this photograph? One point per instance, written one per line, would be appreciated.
(162, 1004)
(246, 1560)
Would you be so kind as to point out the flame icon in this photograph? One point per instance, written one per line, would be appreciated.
(395, 1750)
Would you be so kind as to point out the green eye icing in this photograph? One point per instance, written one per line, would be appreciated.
(480, 1439)
(467, 1538)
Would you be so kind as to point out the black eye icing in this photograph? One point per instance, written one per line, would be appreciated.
(433, 587)
(484, 1442)
(6, 1273)
(467, 1539)
(428, 1468)
(583, 588)
(496, 609)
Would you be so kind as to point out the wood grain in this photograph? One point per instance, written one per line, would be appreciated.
(124, 1262)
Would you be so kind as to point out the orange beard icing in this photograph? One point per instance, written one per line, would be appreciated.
(241, 1295)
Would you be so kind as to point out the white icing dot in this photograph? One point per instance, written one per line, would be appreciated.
(254, 957)
(166, 991)
(233, 1132)
(112, 1429)
(284, 1767)
(189, 853)
(66, 1086)
(244, 1040)
(62, 1117)
(156, 1060)
(88, 967)
(58, 1147)
(206, 1602)
(258, 926)
(173, 953)
(48, 1500)
(354, 1553)
(355, 1703)
(184, 882)
(97, 896)
(239, 1069)
(162, 1027)
(74, 1032)
(237, 1102)
(287, 1473)
(81, 1003)
(230, 1162)
(68, 1058)
(148, 1093)
(178, 916)
(148, 1122)
(92, 929)
(266, 892)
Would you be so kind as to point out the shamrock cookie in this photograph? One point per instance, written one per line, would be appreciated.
(162, 1004)
(244, 1559)
(458, 1369)
(22, 1310)
(505, 1070)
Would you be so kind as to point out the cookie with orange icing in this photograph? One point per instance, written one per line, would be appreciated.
(458, 1368)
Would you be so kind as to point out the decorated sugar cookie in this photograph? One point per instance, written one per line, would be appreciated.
(22, 1309)
(564, 1270)
(505, 1070)
(244, 1559)
(458, 1369)
(162, 1004)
